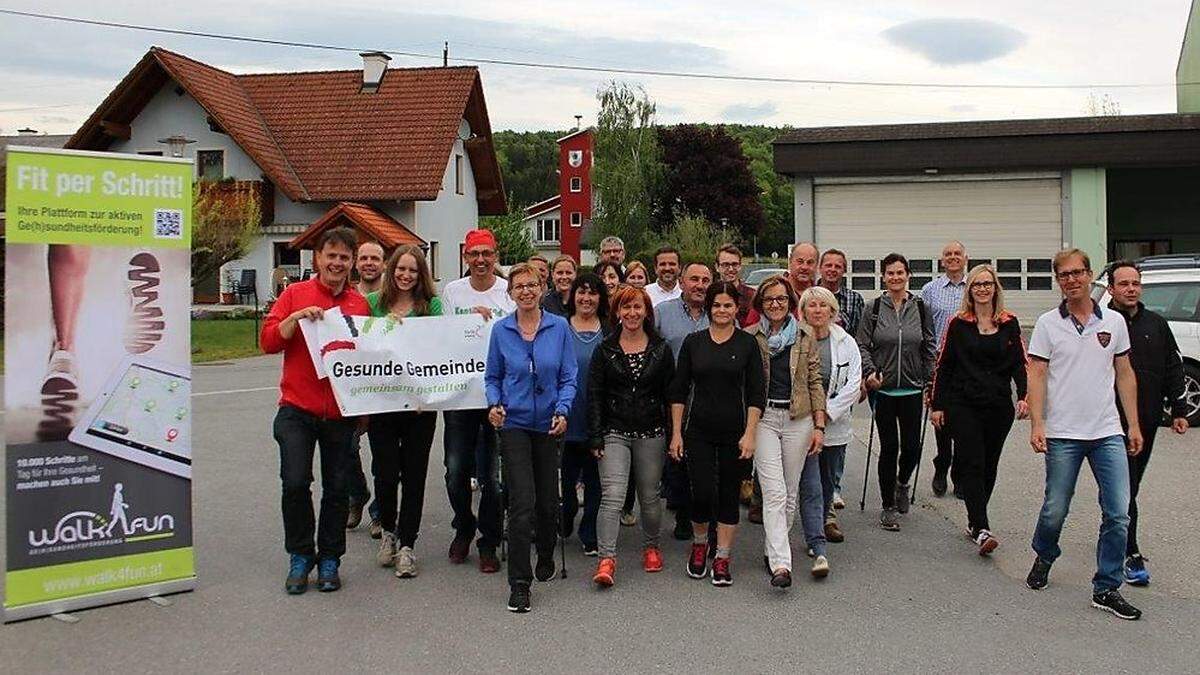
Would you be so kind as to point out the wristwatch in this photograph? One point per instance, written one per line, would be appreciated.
(820, 429)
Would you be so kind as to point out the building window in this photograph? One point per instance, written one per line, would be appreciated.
(915, 283)
(1037, 283)
(576, 184)
(210, 164)
(978, 261)
(433, 260)
(576, 219)
(1131, 249)
(548, 230)
(1010, 283)
(458, 174)
(862, 283)
(921, 265)
(1008, 265)
(862, 266)
(1038, 265)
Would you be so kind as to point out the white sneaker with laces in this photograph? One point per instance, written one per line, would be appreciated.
(406, 563)
(820, 567)
(387, 550)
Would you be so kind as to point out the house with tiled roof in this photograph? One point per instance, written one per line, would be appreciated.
(403, 155)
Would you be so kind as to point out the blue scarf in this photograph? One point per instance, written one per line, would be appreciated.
(786, 337)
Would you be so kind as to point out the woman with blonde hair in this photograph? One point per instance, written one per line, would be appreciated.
(400, 441)
(982, 357)
(636, 274)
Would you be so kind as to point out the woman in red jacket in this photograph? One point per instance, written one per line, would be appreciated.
(981, 358)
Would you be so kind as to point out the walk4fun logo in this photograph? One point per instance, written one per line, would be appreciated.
(89, 529)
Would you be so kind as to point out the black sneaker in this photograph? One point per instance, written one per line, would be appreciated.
(518, 599)
(939, 484)
(1111, 601)
(1039, 575)
(697, 566)
(544, 571)
(902, 498)
(781, 579)
(589, 549)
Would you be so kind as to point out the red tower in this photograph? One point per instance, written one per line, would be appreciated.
(574, 188)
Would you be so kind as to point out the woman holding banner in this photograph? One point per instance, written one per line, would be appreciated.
(400, 441)
(530, 382)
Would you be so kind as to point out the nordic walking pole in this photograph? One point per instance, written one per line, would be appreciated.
(920, 451)
(862, 504)
(501, 495)
(562, 541)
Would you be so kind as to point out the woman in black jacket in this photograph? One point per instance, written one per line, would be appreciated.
(628, 379)
(981, 358)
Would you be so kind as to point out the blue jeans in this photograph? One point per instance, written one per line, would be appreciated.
(832, 461)
(463, 429)
(1064, 457)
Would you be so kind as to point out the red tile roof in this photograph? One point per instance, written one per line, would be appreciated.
(317, 137)
(378, 226)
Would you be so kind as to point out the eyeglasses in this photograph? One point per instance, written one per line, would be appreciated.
(1072, 274)
(521, 288)
(480, 254)
(727, 264)
(775, 300)
(984, 285)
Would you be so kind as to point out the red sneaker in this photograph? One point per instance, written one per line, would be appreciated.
(605, 571)
(697, 566)
(652, 560)
(488, 562)
(720, 572)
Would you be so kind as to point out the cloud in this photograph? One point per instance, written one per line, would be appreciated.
(952, 42)
(749, 113)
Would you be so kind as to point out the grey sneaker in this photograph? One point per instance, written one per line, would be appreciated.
(889, 519)
(387, 550)
(902, 498)
(820, 567)
(406, 563)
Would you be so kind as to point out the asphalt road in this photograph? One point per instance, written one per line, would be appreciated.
(915, 601)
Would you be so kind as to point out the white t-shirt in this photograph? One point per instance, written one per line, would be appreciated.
(658, 295)
(459, 297)
(1079, 390)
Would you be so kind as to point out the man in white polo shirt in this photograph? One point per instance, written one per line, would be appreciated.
(1077, 352)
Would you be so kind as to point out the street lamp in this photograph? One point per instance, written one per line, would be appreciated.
(176, 143)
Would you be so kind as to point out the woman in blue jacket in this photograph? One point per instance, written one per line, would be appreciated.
(530, 382)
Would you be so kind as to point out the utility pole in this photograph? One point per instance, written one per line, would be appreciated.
(445, 53)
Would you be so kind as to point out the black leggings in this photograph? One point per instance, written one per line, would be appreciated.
(529, 466)
(1137, 468)
(979, 435)
(891, 412)
(715, 473)
(400, 443)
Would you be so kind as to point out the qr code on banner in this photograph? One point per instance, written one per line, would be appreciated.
(168, 223)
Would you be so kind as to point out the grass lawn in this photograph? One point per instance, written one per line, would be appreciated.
(211, 341)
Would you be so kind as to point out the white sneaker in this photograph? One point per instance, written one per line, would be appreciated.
(820, 567)
(406, 563)
(838, 502)
(387, 550)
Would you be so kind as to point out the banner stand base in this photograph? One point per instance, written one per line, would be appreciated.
(160, 601)
(62, 607)
(65, 618)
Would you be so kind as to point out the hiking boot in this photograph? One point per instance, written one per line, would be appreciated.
(1136, 573)
(387, 550)
(490, 564)
(754, 514)
(327, 575)
(544, 570)
(299, 568)
(902, 497)
(589, 549)
(939, 484)
(605, 571)
(820, 567)
(460, 548)
(518, 599)
(683, 528)
(833, 532)
(1039, 575)
(652, 560)
(838, 502)
(781, 578)
(986, 541)
(406, 563)
(628, 519)
(697, 566)
(1111, 601)
(889, 520)
(354, 515)
(376, 529)
(720, 572)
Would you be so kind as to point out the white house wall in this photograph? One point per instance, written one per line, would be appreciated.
(446, 220)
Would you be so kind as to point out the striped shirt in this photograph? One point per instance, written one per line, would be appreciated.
(850, 307)
(943, 298)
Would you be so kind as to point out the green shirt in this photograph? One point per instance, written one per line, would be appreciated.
(435, 306)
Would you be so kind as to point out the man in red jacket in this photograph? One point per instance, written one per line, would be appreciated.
(308, 414)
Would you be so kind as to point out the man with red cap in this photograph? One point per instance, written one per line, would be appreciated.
(484, 292)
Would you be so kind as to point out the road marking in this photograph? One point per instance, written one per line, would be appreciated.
(234, 391)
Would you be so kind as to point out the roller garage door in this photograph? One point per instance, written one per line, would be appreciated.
(1013, 223)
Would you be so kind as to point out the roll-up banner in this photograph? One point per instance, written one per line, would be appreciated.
(97, 381)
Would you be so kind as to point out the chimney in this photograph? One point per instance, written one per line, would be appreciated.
(27, 132)
(578, 122)
(374, 67)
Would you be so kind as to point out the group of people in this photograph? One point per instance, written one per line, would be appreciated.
(688, 385)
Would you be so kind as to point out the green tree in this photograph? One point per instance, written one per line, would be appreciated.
(628, 170)
(695, 237)
(226, 217)
(529, 164)
(512, 238)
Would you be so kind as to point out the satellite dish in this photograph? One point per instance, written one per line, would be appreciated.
(464, 130)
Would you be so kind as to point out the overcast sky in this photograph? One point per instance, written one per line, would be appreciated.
(54, 74)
